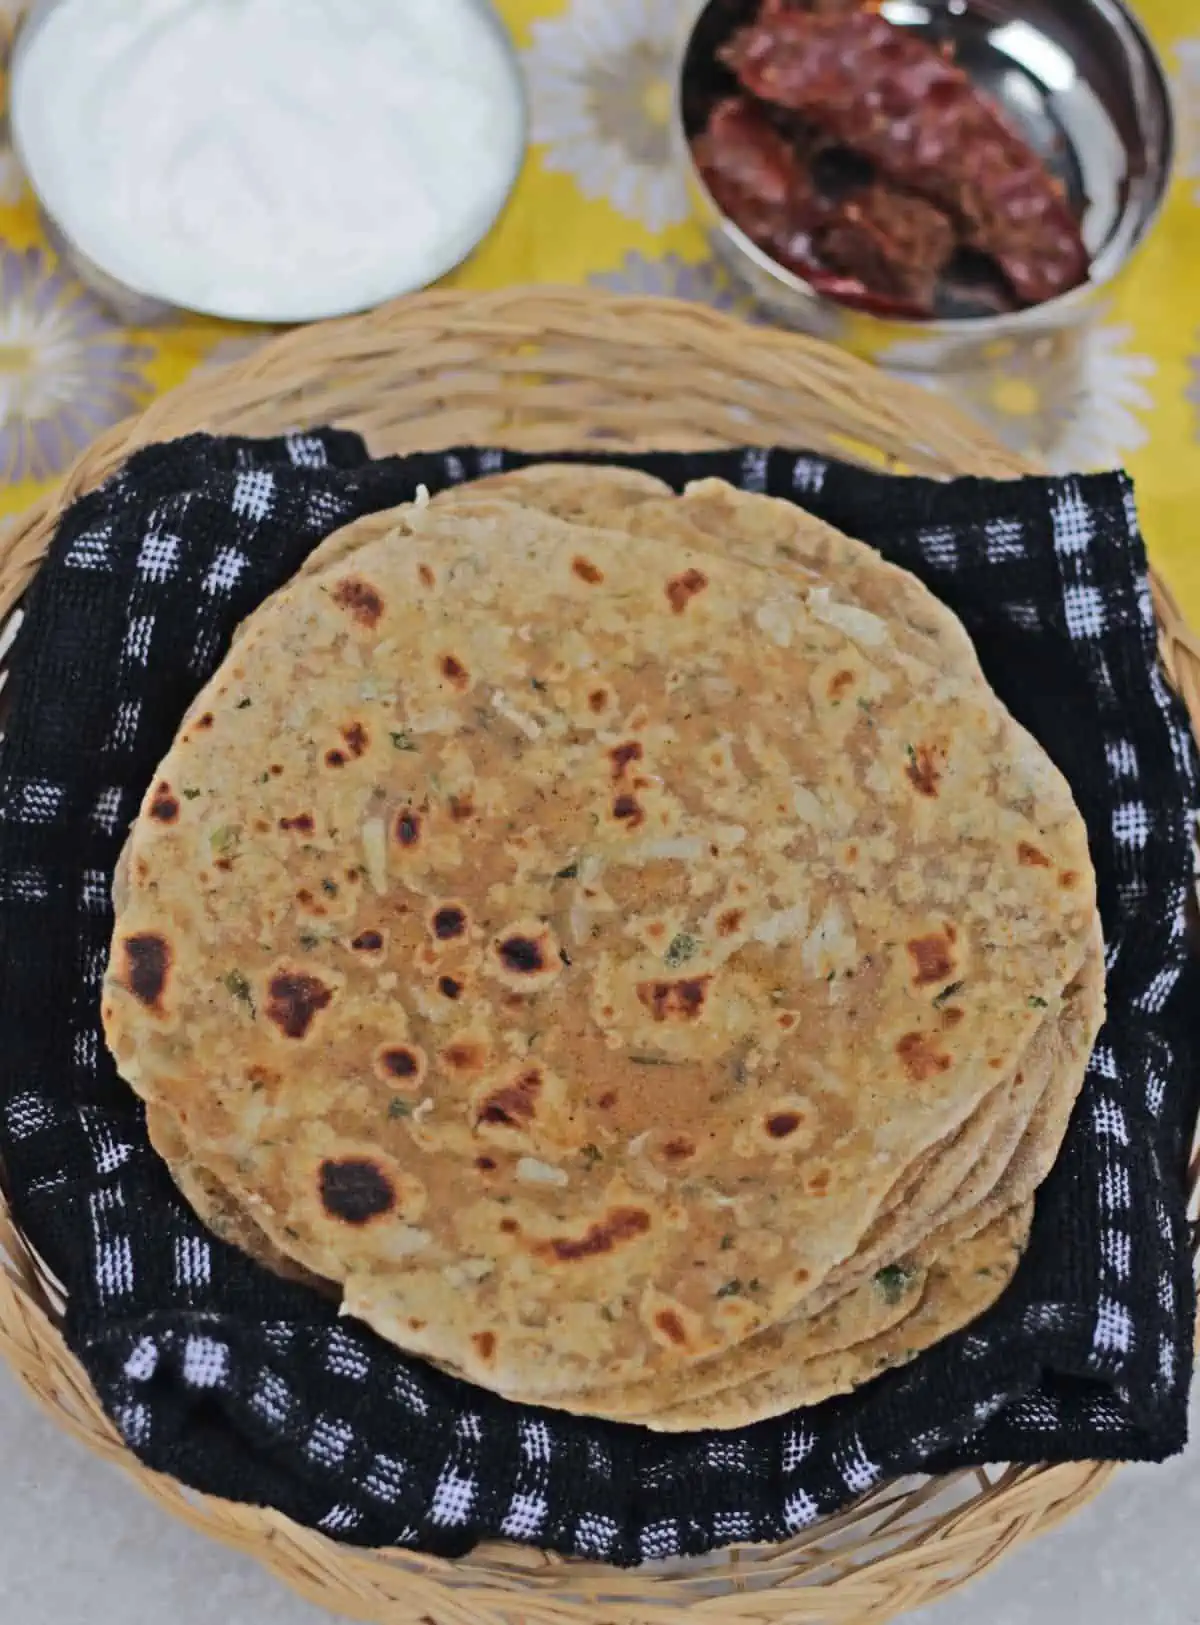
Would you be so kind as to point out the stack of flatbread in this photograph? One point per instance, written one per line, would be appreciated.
(618, 942)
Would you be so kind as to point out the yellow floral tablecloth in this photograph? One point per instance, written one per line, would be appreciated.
(599, 202)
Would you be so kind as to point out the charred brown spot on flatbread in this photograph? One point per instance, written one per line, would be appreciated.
(302, 823)
(920, 1056)
(426, 575)
(206, 721)
(679, 1149)
(587, 571)
(924, 771)
(355, 1190)
(465, 1055)
(356, 738)
(730, 922)
(449, 922)
(515, 1104)
(408, 827)
(450, 987)
(461, 809)
(628, 810)
(368, 942)
(680, 1001)
(933, 959)
(672, 1328)
(363, 601)
(336, 758)
(621, 1225)
(485, 1345)
(527, 957)
(455, 673)
(400, 1063)
(782, 1125)
(681, 589)
(524, 955)
(840, 684)
(294, 1001)
(1032, 857)
(623, 756)
(147, 968)
(598, 700)
(164, 808)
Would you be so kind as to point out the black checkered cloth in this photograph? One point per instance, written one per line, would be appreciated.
(249, 1387)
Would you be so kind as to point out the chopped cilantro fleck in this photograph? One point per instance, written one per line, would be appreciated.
(239, 987)
(892, 1281)
(403, 740)
(682, 948)
(731, 1289)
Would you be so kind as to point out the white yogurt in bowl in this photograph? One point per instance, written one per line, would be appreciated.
(269, 160)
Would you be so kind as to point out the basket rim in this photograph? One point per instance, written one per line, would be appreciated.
(1022, 1501)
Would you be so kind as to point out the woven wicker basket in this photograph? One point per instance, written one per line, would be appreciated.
(544, 369)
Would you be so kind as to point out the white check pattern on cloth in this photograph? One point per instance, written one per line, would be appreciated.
(370, 1446)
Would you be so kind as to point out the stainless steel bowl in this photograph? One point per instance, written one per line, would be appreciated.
(1079, 77)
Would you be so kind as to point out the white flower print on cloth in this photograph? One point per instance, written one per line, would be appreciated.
(1187, 109)
(600, 102)
(673, 277)
(1073, 401)
(66, 370)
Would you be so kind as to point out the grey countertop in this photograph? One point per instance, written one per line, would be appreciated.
(80, 1546)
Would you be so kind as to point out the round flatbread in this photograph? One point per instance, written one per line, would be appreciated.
(511, 972)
